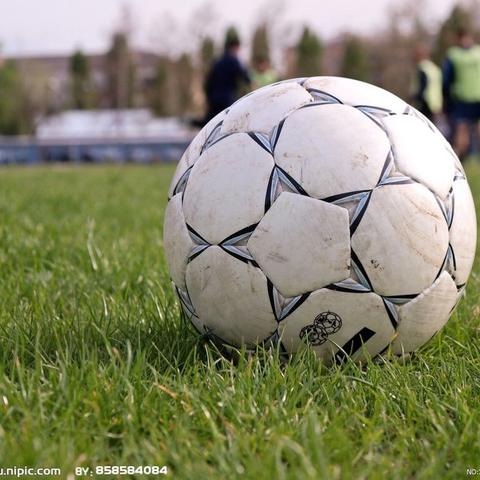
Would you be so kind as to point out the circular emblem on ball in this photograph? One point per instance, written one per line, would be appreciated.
(325, 324)
(314, 334)
(330, 321)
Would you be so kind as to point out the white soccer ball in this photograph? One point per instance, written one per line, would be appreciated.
(323, 211)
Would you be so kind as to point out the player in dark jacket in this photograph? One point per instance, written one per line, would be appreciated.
(225, 78)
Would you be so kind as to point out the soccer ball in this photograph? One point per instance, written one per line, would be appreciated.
(320, 211)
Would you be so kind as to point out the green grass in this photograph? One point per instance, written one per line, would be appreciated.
(96, 367)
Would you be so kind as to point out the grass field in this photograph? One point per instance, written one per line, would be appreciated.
(96, 367)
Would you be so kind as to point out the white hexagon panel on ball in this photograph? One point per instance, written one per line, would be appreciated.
(361, 326)
(226, 189)
(243, 300)
(331, 132)
(402, 239)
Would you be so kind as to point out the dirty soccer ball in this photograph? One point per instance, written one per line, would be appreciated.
(320, 211)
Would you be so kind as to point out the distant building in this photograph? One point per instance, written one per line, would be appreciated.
(100, 136)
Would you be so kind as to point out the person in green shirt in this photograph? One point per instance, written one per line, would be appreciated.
(262, 74)
(461, 90)
(427, 84)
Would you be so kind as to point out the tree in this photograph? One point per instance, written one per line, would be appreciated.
(15, 113)
(81, 86)
(309, 53)
(207, 54)
(160, 100)
(171, 89)
(184, 79)
(355, 59)
(391, 51)
(120, 73)
(260, 44)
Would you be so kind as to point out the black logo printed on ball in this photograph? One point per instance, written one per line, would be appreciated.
(325, 324)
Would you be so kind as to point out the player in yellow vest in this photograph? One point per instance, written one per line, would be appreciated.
(461, 90)
(262, 73)
(427, 85)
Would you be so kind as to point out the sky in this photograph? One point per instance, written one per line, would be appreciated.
(59, 26)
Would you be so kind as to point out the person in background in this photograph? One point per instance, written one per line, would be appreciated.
(461, 90)
(263, 74)
(225, 77)
(427, 85)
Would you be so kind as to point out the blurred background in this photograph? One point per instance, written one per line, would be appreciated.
(127, 81)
